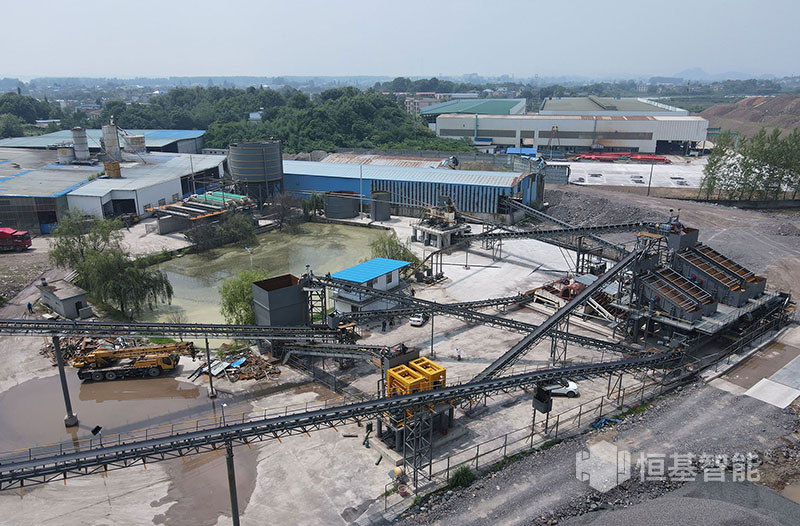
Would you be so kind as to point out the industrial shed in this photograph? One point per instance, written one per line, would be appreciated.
(475, 192)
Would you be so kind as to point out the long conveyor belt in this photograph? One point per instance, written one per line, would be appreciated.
(66, 460)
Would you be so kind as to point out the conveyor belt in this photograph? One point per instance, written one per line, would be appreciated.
(414, 304)
(207, 330)
(524, 345)
(65, 461)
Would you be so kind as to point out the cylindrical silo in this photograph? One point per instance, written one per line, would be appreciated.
(135, 143)
(341, 205)
(80, 143)
(111, 141)
(380, 206)
(256, 162)
(66, 154)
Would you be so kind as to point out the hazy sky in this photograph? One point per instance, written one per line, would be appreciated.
(599, 38)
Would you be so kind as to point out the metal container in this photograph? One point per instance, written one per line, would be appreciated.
(256, 162)
(135, 143)
(112, 169)
(111, 141)
(66, 154)
(80, 144)
(341, 205)
(380, 206)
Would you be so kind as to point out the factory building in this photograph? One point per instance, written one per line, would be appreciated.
(173, 141)
(474, 107)
(37, 186)
(583, 124)
(480, 193)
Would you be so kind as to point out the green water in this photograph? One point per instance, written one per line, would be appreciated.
(196, 278)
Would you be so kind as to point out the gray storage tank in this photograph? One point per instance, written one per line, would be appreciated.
(341, 205)
(380, 206)
(256, 162)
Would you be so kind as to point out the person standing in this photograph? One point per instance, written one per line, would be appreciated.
(30, 308)
(458, 353)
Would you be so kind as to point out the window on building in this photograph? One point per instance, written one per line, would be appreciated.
(389, 277)
(175, 197)
(162, 202)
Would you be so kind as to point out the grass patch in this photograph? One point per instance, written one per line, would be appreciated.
(635, 410)
(547, 445)
(462, 477)
(157, 340)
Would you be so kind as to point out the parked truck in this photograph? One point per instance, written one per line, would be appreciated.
(133, 362)
(11, 239)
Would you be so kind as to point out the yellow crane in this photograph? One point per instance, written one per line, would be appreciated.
(131, 362)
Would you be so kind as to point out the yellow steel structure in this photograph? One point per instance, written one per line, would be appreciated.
(402, 380)
(434, 374)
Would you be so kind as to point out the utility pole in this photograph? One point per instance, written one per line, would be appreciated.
(650, 181)
(361, 190)
(232, 483)
(211, 392)
(71, 419)
(191, 166)
(433, 354)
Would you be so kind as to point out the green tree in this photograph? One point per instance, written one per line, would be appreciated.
(389, 246)
(10, 126)
(91, 247)
(237, 296)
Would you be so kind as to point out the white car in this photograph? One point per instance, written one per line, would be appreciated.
(418, 320)
(570, 390)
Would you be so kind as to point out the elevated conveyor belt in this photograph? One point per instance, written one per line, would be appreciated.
(206, 330)
(66, 461)
(471, 316)
(524, 345)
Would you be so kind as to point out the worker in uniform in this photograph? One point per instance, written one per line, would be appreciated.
(30, 308)
(458, 353)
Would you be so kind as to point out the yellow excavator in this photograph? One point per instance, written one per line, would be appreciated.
(133, 362)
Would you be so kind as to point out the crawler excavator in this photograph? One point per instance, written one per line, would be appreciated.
(133, 362)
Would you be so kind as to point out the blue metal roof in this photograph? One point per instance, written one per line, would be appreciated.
(371, 269)
(404, 173)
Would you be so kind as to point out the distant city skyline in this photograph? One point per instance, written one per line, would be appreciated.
(629, 39)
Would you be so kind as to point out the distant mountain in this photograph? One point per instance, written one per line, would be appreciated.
(700, 74)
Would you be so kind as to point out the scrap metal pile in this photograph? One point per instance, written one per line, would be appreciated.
(245, 365)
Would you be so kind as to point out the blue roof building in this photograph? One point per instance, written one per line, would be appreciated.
(378, 273)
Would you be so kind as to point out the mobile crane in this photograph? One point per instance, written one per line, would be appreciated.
(133, 362)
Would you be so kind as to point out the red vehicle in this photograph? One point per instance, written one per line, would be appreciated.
(11, 239)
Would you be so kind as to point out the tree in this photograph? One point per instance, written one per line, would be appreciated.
(389, 246)
(283, 209)
(10, 126)
(91, 247)
(237, 296)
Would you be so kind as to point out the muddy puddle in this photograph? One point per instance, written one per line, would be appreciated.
(33, 412)
(198, 488)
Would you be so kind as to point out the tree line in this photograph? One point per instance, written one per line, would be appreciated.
(764, 166)
(341, 117)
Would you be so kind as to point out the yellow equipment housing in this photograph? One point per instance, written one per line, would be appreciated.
(435, 375)
(402, 380)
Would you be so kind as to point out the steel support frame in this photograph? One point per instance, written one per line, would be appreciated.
(418, 446)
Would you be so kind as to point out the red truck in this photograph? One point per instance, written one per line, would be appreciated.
(11, 239)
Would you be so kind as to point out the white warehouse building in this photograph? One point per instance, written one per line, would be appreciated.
(582, 124)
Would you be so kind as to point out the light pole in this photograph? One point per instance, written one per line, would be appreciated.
(211, 392)
(71, 419)
(361, 191)
(224, 405)
(649, 182)
(250, 251)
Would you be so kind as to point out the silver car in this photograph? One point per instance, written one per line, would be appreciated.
(568, 389)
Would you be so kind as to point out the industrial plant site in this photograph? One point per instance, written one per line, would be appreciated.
(559, 292)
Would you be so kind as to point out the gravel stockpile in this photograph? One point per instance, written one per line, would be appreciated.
(579, 208)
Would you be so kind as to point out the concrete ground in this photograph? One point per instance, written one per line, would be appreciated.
(683, 174)
(138, 241)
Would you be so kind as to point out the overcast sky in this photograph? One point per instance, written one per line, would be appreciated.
(621, 38)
